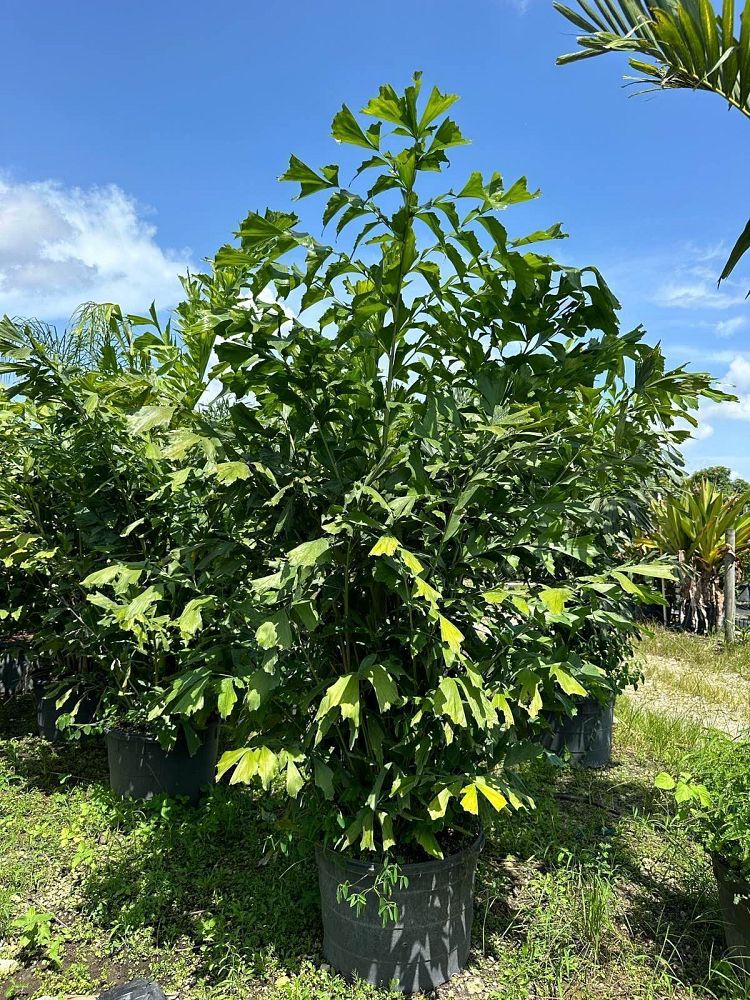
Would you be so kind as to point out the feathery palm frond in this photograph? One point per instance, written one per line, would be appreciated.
(687, 45)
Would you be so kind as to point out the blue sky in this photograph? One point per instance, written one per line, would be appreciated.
(136, 135)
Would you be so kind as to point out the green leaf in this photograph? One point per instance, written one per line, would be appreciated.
(102, 576)
(568, 684)
(388, 106)
(447, 701)
(496, 596)
(140, 605)
(437, 104)
(309, 553)
(555, 598)
(308, 179)
(385, 689)
(266, 635)
(230, 472)
(227, 697)
(659, 571)
(324, 778)
(346, 128)
(428, 842)
(473, 188)
(191, 621)
(739, 249)
(294, 780)
(664, 781)
(149, 417)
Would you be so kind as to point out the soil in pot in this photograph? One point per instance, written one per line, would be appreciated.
(734, 900)
(48, 712)
(430, 940)
(587, 736)
(139, 768)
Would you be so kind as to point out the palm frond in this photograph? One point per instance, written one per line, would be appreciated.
(686, 45)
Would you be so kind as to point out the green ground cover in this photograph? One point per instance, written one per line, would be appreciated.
(597, 894)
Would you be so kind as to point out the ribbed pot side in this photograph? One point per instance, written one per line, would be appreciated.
(587, 736)
(140, 769)
(430, 940)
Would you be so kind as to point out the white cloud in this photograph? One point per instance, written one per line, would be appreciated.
(737, 381)
(63, 246)
(728, 327)
(694, 290)
(738, 374)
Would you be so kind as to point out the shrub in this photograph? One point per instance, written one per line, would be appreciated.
(115, 542)
(449, 451)
(713, 798)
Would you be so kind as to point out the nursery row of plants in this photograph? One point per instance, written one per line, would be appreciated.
(365, 505)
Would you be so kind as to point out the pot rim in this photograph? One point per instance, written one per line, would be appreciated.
(728, 873)
(411, 867)
(134, 734)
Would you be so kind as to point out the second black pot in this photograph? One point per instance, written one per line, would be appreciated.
(430, 940)
(139, 768)
(734, 900)
(586, 736)
(48, 713)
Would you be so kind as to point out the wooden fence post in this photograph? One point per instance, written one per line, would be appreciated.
(730, 582)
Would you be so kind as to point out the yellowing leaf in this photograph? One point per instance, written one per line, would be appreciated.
(102, 576)
(501, 702)
(469, 800)
(450, 635)
(411, 561)
(385, 546)
(496, 596)
(436, 808)
(447, 701)
(554, 598)
(386, 825)
(496, 799)
(227, 697)
(191, 620)
(423, 589)
(344, 695)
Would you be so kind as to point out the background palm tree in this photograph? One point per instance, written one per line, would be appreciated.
(686, 45)
(692, 528)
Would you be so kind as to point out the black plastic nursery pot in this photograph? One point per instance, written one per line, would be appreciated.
(431, 938)
(139, 768)
(586, 736)
(48, 712)
(734, 901)
(14, 668)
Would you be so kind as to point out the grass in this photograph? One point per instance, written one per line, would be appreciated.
(694, 679)
(703, 654)
(595, 895)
